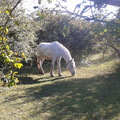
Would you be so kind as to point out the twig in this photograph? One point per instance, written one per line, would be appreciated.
(11, 12)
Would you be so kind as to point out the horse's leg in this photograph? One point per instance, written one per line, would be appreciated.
(39, 64)
(59, 66)
(52, 68)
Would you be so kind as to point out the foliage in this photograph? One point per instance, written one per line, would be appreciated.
(8, 60)
(13, 41)
(75, 34)
(99, 30)
(22, 36)
(99, 15)
(108, 35)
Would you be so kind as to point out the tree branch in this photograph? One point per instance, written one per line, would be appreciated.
(108, 2)
(74, 15)
(84, 10)
(11, 12)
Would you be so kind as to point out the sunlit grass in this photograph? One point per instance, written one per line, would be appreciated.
(93, 94)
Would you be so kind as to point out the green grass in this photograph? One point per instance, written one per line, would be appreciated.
(93, 94)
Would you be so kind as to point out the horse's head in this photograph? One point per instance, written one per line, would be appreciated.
(71, 67)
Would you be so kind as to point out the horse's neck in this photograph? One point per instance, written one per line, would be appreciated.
(67, 57)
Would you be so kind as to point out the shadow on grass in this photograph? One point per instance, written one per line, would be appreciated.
(28, 70)
(96, 98)
(23, 76)
(34, 70)
(26, 80)
(30, 80)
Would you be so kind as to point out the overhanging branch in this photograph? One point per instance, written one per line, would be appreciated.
(83, 16)
(108, 2)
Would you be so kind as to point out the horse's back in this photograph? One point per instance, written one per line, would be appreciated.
(57, 46)
(46, 50)
(50, 50)
(47, 46)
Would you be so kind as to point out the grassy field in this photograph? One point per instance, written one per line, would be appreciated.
(93, 94)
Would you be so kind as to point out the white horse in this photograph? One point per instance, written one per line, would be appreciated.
(54, 51)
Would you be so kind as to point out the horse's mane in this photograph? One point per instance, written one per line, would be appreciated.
(61, 46)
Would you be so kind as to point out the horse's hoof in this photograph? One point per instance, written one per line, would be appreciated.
(52, 75)
(60, 75)
(41, 73)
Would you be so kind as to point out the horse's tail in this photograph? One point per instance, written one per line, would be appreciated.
(36, 51)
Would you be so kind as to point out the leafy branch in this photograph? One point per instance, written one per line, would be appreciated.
(83, 10)
(10, 12)
(9, 60)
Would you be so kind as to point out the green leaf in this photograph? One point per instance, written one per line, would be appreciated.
(10, 53)
(1, 28)
(7, 60)
(6, 31)
(17, 59)
(41, 15)
(4, 39)
(8, 12)
(105, 30)
(101, 33)
(7, 47)
(16, 80)
(18, 65)
(16, 23)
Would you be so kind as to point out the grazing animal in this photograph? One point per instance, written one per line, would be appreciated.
(54, 51)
